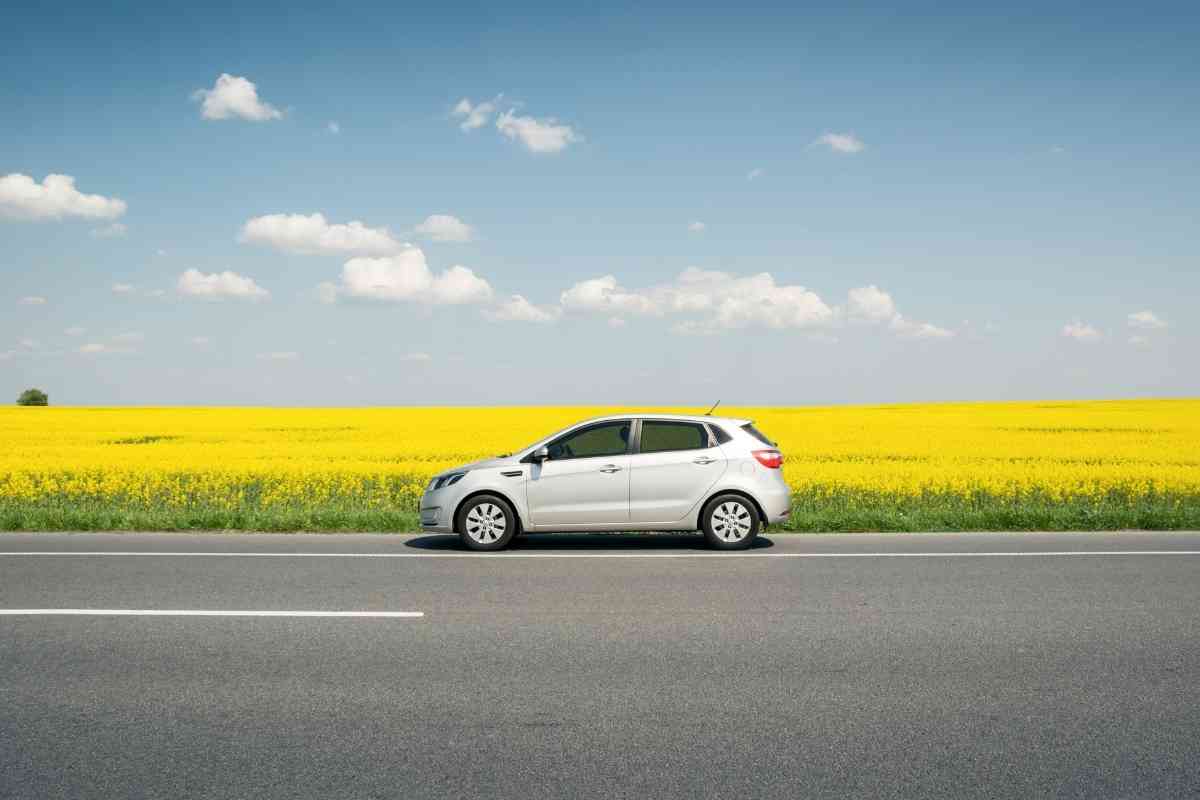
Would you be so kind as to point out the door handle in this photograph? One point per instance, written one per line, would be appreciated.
(703, 460)
(610, 468)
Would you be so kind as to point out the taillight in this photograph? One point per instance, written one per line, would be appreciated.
(771, 459)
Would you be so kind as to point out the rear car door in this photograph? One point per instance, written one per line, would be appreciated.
(586, 479)
(675, 464)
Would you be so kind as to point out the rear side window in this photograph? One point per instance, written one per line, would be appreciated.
(660, 437)
(757, 434)
(720, 434)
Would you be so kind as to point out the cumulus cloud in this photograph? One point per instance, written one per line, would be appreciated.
(696, 226)
(724, 300)
(870, 304)
(712, 301)
(406, 276)
(234, 96)
(841, 142)
(1081, 332)
(123, 288)
(113, 231)
(121, 344)
(32, 300)
(314, 235)
(1146, 320)
(195, 283)
(475, 115)
(518, 309)
(445, 228)
(544, 135)
(21, 197)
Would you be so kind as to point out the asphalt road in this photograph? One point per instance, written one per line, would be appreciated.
(609, 666)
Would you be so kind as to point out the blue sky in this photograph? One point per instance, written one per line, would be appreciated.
(765, 204)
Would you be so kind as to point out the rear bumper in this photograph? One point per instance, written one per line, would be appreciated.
(776, 505)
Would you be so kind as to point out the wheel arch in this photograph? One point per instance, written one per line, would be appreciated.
(741, 493)
(479, 492)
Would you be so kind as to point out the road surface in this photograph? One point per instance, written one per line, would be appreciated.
(913, 665)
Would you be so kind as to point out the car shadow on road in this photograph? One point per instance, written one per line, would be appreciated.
(534, 542)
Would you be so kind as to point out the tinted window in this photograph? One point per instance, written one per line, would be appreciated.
(757, 434)
(609, 439)
(720, 434)
(658, 437)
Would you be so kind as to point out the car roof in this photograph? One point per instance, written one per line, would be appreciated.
(680, 417)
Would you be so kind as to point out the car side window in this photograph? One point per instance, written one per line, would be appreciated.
(661, 436)
(608, 439)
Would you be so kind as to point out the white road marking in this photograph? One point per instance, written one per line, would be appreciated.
(163, 612)
(506, 556)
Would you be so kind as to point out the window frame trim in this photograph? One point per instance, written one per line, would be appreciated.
(708, 435)
(592, 426)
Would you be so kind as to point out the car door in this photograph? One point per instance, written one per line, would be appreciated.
(671, 470)
(585, 481)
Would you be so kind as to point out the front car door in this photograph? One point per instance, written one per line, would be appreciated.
(674, 466)
(586, 479)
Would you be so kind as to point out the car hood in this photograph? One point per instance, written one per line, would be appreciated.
(499, 461)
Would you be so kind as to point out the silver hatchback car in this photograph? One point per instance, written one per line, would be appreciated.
(626, 472)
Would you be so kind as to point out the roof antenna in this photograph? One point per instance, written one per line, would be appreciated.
(714, 408)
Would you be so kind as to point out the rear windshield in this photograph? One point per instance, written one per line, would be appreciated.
(757, 434)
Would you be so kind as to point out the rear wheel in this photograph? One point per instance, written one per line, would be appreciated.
(486, 522)
(730, 522)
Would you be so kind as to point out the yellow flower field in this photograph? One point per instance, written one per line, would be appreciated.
(1045, 464)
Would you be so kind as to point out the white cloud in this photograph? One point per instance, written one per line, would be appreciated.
(75, 331)
(406, 276)
(32, 300)
(28, 344)
(616, 322)
(21, 197)
(714, 301)
(234, 96)
(445, 228)
(314, 235)
(5, 355)
(545, 135)
(123, 288)
(285, 355)
(156, 293)
(195, 283)
(696, 226)
(724, 300)
(870, 304)
(1146, 320)
(113, 231)
(518, 309)
(475, 116)
(416, 357)
(757, 172)
(131, 337)
(333, 127)
(841, 142)
(1081, 332)
(200, 341)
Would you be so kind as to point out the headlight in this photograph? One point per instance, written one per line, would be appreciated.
(446, 480)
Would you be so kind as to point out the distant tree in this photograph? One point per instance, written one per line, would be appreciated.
(33, 397)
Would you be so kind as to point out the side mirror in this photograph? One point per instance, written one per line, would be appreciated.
(541, 454)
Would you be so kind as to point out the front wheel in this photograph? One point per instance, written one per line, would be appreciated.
(486, 522)
(730, 522)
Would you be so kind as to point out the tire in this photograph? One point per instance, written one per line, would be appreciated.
(486, 523)
(729, 522)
